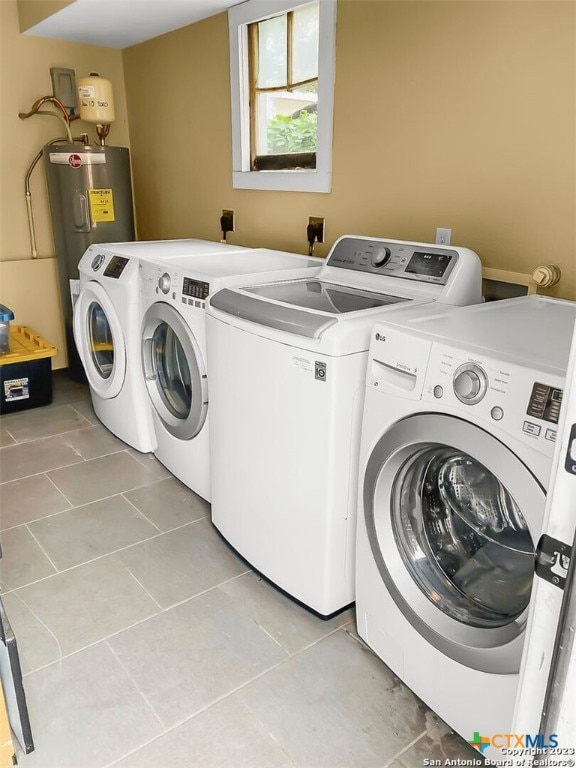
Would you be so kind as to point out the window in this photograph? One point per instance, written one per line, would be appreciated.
(282, 76)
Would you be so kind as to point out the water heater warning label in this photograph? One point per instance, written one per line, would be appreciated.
(101, 205)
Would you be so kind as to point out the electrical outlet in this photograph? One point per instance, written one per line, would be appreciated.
(443, 236)
(317, 224)
(227, 221)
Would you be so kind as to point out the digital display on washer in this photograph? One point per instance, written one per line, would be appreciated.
(115, 267)
(429, 264)
(545, 402)
(197, 289)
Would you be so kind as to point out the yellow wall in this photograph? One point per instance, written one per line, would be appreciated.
(30, 288)
(452, 114)
(32, 12)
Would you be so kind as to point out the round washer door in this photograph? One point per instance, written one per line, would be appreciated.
(100, 340)
(453, 517)
(174, 371)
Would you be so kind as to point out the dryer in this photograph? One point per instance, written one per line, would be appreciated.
(458, 433)
(288, 363)
(107, 317)
(173, 347)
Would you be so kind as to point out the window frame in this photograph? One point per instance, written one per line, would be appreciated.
(320, 179)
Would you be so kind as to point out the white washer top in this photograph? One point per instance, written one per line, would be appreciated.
(533, 331)
(165, 248)
(249, 261)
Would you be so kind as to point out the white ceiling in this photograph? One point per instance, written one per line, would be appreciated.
(120, 23)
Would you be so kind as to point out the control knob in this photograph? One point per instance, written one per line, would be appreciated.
(381, 257)
(470, 383)
(164, 283)
(97, 261)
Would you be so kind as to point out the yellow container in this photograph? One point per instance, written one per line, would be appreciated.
(25, 371)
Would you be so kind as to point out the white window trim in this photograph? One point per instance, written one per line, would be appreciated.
(319, 180)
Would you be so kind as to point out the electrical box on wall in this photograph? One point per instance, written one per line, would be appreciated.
(64, 86)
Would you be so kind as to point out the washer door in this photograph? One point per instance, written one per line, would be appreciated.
(100, 341)
(452, 520)
(174, 371)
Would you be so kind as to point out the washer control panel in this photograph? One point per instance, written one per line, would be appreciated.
(425, 263)
(523, 402)
(171, 286)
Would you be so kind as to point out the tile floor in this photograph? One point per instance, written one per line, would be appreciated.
(146, 643)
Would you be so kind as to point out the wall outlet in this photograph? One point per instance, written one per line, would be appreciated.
(227, 221)
(316, 225)
(443, 236)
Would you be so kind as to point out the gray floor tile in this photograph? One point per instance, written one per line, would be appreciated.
(225, 736)
(85, 712)
(28, 499)
(182, 563)
(190, 656)
(97, 478)
(65, 391)
(22, 559)
(439, 743)
(87, 532)
(37, 646)
(336, 706)
(43, 422)
(150, 461)
(88, 603)
(5, 438)
(94, 441)
(39, 456)
(169, 504)
(292, 626)
(85, 409)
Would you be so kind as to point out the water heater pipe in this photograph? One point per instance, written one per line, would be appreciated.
(31, 228)
(35, 110)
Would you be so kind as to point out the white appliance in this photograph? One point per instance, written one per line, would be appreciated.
(546, 702)
(173, 346)
(288, 363)
(107, 316)
(459, 428)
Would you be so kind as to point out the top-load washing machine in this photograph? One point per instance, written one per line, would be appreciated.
(173, 346)
(107, 317)
(458, 434)
(288, 363)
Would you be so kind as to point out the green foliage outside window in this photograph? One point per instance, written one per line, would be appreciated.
(292, 134)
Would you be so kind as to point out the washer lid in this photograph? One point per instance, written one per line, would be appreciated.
(332, 300)
(323, 296)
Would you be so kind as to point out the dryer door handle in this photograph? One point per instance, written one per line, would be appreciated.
(148, 360)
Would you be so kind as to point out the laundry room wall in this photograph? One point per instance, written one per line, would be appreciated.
(447, 114)
(30, 286)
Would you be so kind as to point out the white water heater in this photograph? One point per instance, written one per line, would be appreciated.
(96, 100)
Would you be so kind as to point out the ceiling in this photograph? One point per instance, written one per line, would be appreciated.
(120, 23)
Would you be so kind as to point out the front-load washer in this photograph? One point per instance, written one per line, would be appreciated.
(107, 317)
(288, 363)
(460, 420)
(173, 346)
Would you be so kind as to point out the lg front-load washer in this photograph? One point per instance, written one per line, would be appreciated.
(288, 363)
(458, 432)
(107, 317)
(175, 364)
